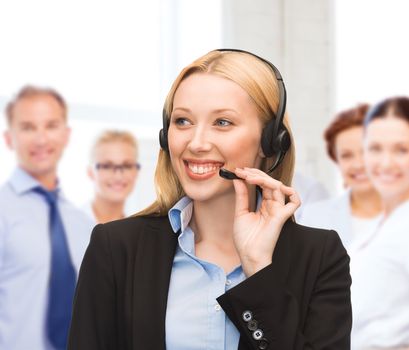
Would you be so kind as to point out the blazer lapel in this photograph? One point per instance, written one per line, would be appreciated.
(152, 270)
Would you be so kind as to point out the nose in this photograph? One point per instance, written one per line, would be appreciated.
(386, 160)
(358, 161)
(41, 137)
(200, 140)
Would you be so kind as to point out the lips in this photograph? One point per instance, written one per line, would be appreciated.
(359, 176)
(387, 178)
(117, 186)
(41, 155)
(202, 169)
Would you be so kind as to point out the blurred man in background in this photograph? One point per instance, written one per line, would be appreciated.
(42, 236)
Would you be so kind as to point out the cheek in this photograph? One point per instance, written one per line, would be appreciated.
(59, 138)
(100, 181)
(344, 166)
(370, 162)
(131, 179)
(176, 143)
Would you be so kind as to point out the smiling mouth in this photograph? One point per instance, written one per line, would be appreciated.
(359, 177)
(203, 168)
(41, 154)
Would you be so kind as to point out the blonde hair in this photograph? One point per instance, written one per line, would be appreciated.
(30, 91)
(109, 136)
(258, 80)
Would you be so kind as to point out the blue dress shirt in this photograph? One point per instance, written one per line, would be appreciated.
(194, 319)
(25, 259)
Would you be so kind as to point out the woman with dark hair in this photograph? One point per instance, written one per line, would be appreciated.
(354, 213)
(217, 262)
(380, 263)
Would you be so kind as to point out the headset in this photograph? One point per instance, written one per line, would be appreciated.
(275, 138)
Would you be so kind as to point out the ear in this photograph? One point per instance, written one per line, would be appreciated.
(8, 139)
(90, 172)
(67, 135)
(260, 152)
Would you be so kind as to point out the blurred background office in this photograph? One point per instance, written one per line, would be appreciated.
(114, 60)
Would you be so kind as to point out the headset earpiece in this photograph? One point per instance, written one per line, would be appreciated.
(163, 133)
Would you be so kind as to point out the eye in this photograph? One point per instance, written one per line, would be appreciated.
(128, 166)
(345, 156)
(53, 125)
(374, 148)
(223, 122)
(180, 121)
(27, 127)
(104, 166)
(402, 150)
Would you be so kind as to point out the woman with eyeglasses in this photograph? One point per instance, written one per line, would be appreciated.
(113, 170)
(217, 261)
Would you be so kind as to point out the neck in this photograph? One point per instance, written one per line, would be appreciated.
(366, 204)
(212, 222)
(47, 180)
(105, 210)
(390, 204)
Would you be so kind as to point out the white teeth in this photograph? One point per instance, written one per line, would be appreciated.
(202, 169)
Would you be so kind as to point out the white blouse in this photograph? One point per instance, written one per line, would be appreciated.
(380, 284)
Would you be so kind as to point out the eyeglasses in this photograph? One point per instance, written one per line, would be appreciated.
(112, 168)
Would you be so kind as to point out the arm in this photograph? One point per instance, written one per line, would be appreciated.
(93, 320)
(327, 322)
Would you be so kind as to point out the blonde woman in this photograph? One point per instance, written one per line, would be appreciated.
(217, 263)
(113, 170)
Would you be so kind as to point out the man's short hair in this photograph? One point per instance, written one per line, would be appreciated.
(29, 91)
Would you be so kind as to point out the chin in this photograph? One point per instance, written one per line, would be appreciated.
(362, 187)
(207, 194)
(37, 171)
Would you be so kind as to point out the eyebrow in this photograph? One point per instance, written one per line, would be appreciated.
(216, 111)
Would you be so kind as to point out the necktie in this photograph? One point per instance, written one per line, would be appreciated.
(62, 277)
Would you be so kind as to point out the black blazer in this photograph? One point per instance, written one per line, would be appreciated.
(300, 301)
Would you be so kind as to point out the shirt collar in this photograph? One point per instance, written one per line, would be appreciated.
(22, 182)
(180, 214)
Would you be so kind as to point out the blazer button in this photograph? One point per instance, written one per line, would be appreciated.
(263, 344)
(252, 325)
(247, 316)
(258, 334)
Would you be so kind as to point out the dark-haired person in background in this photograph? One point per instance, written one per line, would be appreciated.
(42, 236)
(356, 212)
(215, 263)
(380, 263)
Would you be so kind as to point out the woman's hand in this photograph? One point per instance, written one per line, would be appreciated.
(256, 233)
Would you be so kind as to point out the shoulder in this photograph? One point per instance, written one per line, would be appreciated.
(134, 228)
(308, 234)
(76, 215)
(310, 240)
(321, 207)
(6, 194)
(124, 240)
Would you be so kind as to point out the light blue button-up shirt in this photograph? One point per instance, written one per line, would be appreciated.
(194, 319)
(25, 259)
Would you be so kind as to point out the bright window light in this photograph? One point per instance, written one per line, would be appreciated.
(372, 54)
